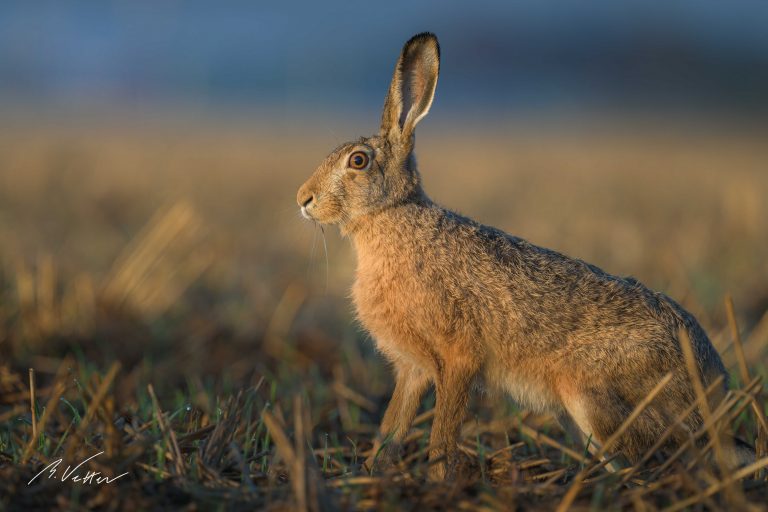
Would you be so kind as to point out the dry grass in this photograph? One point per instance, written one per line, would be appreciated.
(178, 317)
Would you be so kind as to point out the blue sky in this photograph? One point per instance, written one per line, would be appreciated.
(514, 55)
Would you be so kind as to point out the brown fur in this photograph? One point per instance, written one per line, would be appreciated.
(450, 301)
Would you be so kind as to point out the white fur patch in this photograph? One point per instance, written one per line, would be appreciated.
(577, 411)
(528, 393)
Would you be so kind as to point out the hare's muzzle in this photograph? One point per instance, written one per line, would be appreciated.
(305, 199)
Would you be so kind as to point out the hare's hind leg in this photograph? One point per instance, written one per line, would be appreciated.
(410, 385)
(574, 433)
(589, 423)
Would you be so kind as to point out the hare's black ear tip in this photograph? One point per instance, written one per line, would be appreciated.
(424, 38)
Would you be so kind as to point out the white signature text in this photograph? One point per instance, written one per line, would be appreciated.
(89, 478)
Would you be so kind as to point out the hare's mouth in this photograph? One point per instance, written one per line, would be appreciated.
(305, 213)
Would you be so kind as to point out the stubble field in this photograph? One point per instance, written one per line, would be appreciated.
(181, 317)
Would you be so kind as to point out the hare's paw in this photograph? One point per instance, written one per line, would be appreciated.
(382, 458)
(451, 467)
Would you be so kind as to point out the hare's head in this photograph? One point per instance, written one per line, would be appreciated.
(374, 173)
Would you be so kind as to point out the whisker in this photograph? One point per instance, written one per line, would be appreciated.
(312, 252)
(325, 247)
(282, 210)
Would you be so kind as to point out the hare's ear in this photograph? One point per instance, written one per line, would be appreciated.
(413, 87)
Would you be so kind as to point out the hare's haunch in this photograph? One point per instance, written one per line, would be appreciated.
(451, 302)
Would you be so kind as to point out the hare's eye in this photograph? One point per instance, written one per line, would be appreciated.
(358, 160)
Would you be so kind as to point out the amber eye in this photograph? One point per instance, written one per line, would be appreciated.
(358, 160)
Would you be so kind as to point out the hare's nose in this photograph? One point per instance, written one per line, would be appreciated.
(308, 200)
(305, 197)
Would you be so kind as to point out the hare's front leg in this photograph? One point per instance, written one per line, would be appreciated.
(410, 385)
(452, 386)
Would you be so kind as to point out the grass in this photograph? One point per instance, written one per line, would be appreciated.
(165, 294)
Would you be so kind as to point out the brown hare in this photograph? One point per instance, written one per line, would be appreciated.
(454, 303)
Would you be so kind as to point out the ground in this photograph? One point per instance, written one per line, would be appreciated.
(180, 316)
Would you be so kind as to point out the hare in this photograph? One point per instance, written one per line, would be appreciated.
(454, 303)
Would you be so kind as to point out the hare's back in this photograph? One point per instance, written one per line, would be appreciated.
(567, 303)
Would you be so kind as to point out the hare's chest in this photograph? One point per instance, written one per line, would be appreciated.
(389, 304)
(383, 302)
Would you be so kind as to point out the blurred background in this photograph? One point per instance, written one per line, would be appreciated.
(150, 153)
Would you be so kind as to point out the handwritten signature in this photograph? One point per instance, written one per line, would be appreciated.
(89, 478)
